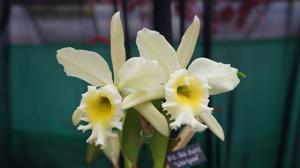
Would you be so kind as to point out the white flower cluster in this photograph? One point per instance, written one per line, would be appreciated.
(159, 72)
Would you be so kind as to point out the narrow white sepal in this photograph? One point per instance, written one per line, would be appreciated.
(154, 46)
(212, 124)
(118, 55)
(188, 43)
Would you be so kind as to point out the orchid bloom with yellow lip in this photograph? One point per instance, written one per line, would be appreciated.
(100, 106)
(187, 90)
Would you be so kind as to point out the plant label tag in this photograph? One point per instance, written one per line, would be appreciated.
(186, 157)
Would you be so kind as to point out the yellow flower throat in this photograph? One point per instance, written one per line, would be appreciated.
(189, 93)
(99, 109)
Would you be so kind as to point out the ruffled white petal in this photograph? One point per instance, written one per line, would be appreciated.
(118, 55)
(84, 128)
(171, 92)
(100, 128)
(221, 77)
(86, 65)
(142, 96)
(153, 45)
(185, 116)
(139, 73)
(185, 109)
(152, 115)
(98, 136)
(188, 43)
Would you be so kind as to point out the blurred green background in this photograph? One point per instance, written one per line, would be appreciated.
(260, 118)
(42, 100)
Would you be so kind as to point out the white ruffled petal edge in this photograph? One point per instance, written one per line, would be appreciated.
(99, 132)
(183, 114)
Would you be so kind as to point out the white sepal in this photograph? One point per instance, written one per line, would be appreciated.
(118, 55)
(188, 43)
(212, 124)
(154, 46)
(86, 65)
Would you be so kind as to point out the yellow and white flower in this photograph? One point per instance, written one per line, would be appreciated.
(187, 90)
(100, 106)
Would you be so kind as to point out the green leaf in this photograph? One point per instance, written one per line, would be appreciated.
(92, 152)
(131, 140)
(241, 75)
(158, 146)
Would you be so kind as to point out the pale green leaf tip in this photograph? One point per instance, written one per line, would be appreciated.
(241, 74)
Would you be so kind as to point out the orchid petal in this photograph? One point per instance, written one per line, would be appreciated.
(118, 55)
(142, 96)
(139, 73)
(86, 65)
(221, 77)
(188, 43)
(152, 115)
(153, 45)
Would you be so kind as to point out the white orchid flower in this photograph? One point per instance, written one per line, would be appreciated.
(100, 106)
(187, 90)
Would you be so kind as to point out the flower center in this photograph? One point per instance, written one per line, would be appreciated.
(189, 92)
(99, 109)
(184, 90)
(105, 103)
